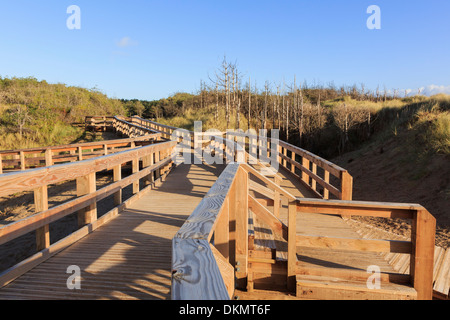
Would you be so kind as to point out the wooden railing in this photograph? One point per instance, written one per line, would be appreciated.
(148, 164)
(212, 241)
(23, 159)
(98, 123)
(211, 254)
(313, 171)
(420, 248)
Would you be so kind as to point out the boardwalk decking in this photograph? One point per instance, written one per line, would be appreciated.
(128, 258)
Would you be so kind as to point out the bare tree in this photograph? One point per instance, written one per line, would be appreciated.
(21, 116)
(346, 117)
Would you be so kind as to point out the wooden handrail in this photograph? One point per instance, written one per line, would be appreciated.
(155, 158)
(47, 156)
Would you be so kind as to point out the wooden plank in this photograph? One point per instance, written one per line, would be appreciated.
(311, 287)
(442, 283)
(351, 274)
(354, 244)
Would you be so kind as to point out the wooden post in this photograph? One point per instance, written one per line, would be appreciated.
(157, 171)
(222, 232)
(276, 198)
(135, 169)
(87, 184)
(292, 247)
(48, 157)
(22, 161)
(346, 186)
(41, 204)
(240, 187)
(117, 176)
(293, 159)
(326, 193)
(80, 154)
(422, 256)
(305, 164)
(147, 161)
(313, 182)
(1, 165)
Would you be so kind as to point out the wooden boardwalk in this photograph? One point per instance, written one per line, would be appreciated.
(129, 257)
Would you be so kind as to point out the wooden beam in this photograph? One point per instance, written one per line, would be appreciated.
(422, 258)
(354, 244)
(41, 204)
(117, 176)
(351, 274)
(135, 169)
(346, 186)
(86, 185)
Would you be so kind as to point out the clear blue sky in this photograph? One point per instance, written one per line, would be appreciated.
(150, 49)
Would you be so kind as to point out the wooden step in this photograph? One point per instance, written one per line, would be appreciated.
(329, 288)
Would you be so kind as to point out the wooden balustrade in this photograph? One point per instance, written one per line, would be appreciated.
(47, 156)
(84, 172)
(309, 165)
(312, 170)
(420, 248)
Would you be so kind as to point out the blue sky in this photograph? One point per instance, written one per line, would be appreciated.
(150, 49)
